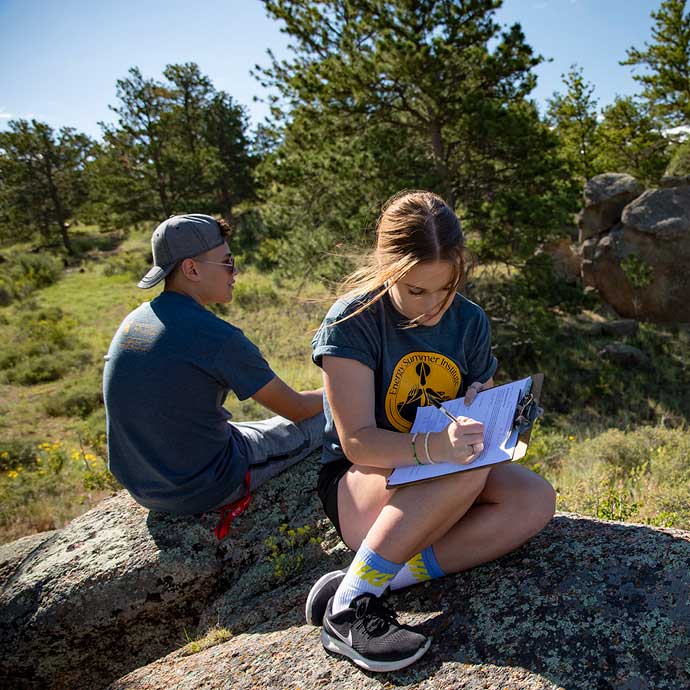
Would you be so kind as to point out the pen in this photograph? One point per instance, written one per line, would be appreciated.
(442, 409)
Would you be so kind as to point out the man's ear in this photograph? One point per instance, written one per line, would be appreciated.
(189, 270)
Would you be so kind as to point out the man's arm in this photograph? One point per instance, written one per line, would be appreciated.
(280, 398)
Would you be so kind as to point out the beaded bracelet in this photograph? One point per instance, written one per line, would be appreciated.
(426, 448)
(417, 461)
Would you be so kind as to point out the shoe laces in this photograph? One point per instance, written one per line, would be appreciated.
(374, 616)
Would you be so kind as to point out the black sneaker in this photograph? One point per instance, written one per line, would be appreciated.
(368, 633)
(320, 593)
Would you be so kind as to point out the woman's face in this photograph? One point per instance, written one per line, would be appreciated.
(422, 291)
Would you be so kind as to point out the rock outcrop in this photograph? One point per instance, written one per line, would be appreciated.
(112, 600)
(605, 197)
(635, 247)
(586, 604)
(121, 586)
(80, 605)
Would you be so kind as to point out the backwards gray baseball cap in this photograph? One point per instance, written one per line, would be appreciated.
(177, 238)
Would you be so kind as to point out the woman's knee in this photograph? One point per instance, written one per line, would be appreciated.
(532, 497)
(539, 501)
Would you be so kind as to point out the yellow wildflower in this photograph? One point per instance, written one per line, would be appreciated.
(13, 474)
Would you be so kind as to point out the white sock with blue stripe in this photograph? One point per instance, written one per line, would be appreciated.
(419, 568)
(368, 572)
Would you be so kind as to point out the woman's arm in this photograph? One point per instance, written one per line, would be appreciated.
(349, 386)
(284, 400)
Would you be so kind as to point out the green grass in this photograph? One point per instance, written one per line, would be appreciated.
(614, 441)
(213, 637)
(63, 405)
(640, 475)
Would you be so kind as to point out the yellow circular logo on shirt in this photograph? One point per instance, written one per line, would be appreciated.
(417, 379)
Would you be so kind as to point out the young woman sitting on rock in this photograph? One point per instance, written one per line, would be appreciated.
(401, 336)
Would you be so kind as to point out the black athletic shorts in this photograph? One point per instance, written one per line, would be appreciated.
(327, 487)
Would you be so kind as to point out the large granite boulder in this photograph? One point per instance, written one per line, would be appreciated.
(586, 604)
(660, 213)
(605, 197)
(639, 266)
(109, 592)
(121, 586)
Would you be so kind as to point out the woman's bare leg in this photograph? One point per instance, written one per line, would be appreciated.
(469, 517)
(514, 505)
(397, 523)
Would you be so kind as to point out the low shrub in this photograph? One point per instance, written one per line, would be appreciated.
(77, 399)
(641, 475)
(23, 273)
(56, 485)
(133, 264)
(287, 550)
(42, 346)
(44, 368)
(16, 453)
(254, 294)
(96, 241)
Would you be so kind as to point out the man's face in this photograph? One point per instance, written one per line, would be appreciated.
(217, 277)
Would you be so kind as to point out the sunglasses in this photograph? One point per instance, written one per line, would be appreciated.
(229, 264)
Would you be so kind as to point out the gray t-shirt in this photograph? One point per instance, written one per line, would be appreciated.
(411, 366)
(168, 371)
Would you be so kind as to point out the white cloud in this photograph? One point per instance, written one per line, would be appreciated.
(4, 115)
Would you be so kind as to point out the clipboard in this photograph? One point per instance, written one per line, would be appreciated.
(523, 438)
(531, 397)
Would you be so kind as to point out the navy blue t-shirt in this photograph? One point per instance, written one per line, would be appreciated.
(168, 371)
(411, 366)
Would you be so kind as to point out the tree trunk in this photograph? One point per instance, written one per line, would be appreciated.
(226, 201)
(60, 218)
(440, 162)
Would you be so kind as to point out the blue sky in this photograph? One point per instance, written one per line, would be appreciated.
(60, 59)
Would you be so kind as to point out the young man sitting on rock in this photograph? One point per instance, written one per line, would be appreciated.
(168, 371)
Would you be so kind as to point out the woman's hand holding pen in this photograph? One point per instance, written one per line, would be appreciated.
(460, 442)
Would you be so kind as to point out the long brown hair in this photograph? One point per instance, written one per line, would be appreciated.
(414, 227)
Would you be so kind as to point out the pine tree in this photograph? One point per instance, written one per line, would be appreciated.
(42, 180)
(631, 141)
(666, 81)
(573, 115)
(438, 88)
(178, 146)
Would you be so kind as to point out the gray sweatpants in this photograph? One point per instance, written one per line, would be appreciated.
(274, 445)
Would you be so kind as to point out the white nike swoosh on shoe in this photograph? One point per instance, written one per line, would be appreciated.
(347, 640)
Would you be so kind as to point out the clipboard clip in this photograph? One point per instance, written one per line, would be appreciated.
(526, 413)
